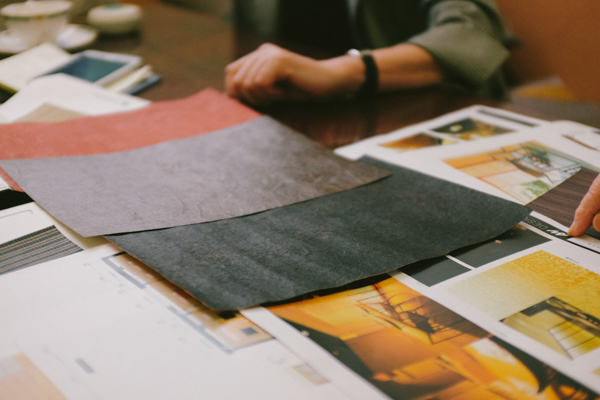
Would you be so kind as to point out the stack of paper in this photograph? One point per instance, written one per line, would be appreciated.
(61, 97)
(19, 70)
(514, 314)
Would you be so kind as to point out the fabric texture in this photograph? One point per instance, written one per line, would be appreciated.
(204, 112)
(326, 242)
(239, 170)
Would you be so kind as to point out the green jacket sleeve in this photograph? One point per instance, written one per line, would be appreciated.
(466, 39)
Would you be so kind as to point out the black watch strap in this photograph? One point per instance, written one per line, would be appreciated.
(371, 84)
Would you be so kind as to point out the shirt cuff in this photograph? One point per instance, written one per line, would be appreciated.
(468, 56)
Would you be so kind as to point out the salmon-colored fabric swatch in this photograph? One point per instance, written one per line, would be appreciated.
(203, 112)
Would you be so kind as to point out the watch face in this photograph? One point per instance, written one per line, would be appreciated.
(354, 53)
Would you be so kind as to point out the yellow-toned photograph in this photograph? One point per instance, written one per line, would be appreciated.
(550, 299)
(525, 171)
(472, 129)
(416, 142)
(411, 347)
(568, 323)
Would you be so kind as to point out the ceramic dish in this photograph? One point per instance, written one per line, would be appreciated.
(72, 37)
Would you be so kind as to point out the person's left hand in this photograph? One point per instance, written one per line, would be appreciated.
(588, 212)
(272, 73)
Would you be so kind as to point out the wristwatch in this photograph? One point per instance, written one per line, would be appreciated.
(371, 83)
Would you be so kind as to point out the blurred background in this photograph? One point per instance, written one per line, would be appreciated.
(555, 44)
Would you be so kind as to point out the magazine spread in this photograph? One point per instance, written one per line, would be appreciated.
(517, 316)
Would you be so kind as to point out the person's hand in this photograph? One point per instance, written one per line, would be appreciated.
(588, 212)
(271, 73)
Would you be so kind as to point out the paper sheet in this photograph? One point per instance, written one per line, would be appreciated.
(99, 325)
(408, 346)
(18, 70)
(584, 135)
(29, 236)
(68, 92)
(325, 242)
(542, 299)
(456, 129)
(49, 113)
(241, 170)
(553, 158)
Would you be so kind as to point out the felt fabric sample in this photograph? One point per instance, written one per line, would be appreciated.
(240, 170)
(561, 202)
(326, 242)
(203, 112)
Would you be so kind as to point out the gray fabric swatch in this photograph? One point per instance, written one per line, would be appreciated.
(248, 168)
(325, 242)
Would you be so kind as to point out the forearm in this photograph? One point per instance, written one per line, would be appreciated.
(406, 66)
(400, 67)
(271, 73)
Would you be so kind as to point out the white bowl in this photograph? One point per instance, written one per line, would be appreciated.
(35, 22)
(115, 19)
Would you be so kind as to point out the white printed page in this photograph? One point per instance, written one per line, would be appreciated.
(507, 166)
(440, 323)
(584, 135)
(69, 93)
(519, 167)
(18, 70)
(463, 126)
(481, 321)
(407, 344)
(3, 184)
(26, 219)
(533, 289)
(100, 325)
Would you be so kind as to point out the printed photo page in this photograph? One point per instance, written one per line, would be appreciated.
(412, 341)
(516, 317)
(466, 125)
(528, 287)
(98, 324)
(529, 167)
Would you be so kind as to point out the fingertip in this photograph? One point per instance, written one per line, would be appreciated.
(576, 228)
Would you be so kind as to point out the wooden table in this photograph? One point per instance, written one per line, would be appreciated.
(191, 49)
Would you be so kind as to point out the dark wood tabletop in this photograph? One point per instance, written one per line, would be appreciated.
(190, 50)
